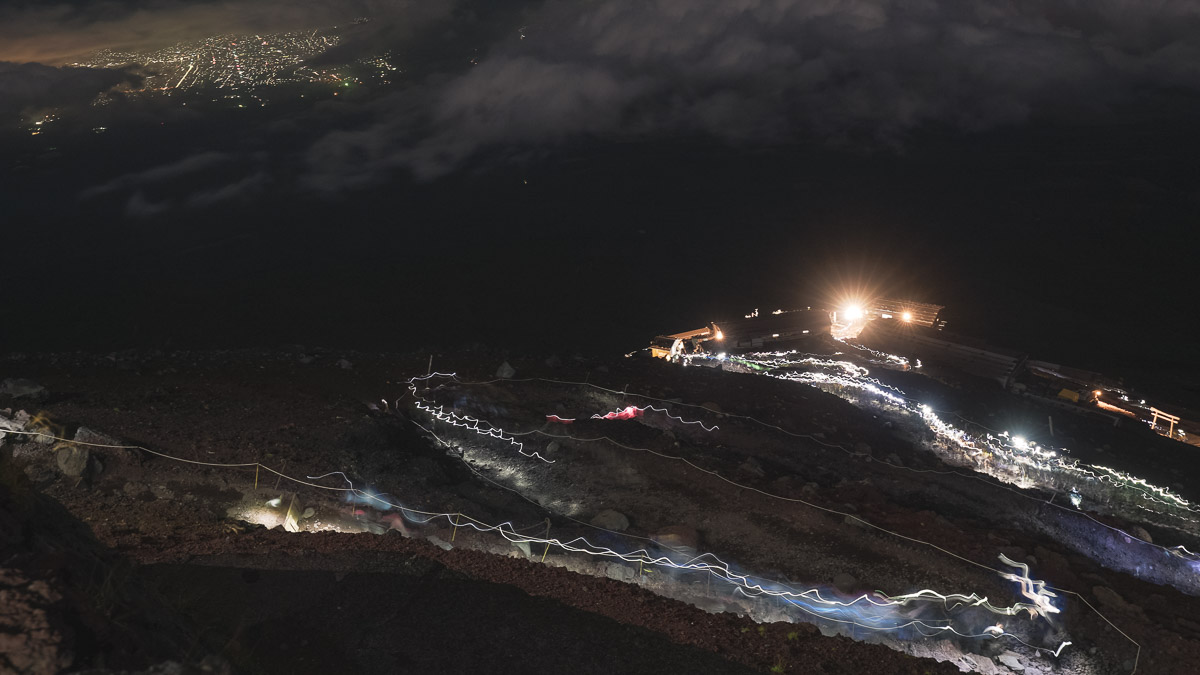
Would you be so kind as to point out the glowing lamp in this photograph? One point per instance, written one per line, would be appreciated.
(906, 317)
(720, 335)
(852, 312)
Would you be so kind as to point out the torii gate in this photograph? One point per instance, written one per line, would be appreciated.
(1172, 419)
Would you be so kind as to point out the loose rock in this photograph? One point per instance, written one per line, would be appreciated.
(611, 520)
(845, 583)
(73, 461)
(439, 542)
(751, 466)
(1012, 660)
(619, 572)
(680, 538)
(21, 388)
(852, 520)
(1112, 600)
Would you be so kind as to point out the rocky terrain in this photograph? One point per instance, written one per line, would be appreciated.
(315, 511)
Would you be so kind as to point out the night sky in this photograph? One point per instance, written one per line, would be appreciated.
(560, 176)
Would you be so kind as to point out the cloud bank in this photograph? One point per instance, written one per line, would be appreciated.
(850, 72)
(27, 85)
(858, 73)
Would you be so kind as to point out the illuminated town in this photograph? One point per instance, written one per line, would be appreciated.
(240, 71)
(240, 67)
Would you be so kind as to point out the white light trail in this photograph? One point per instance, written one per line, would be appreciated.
(1010, 459)
(811, 601)
(481, 427)
(874, 611)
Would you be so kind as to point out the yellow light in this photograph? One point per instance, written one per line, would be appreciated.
(852, 312)
(907, 317)
(720, 335)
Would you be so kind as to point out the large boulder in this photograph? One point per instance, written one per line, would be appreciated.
(73, 460)
(106, 446)
(59, 588)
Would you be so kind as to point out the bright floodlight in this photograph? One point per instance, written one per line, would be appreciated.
(906, 317)
(852, 312)
(720, 335)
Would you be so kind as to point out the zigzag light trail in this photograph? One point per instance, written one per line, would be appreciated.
(481, 427)
(631, 412)
(876, 613)
(809, 601)
(995, 454)
(1179, 551)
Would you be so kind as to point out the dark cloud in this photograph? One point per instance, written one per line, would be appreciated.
(518, 100)
(159, 174)
(240, 190)
(857, 72)
(140, 206)
(211, 178)
(32, 85)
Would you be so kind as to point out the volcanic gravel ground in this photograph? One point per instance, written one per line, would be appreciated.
(300, 412)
